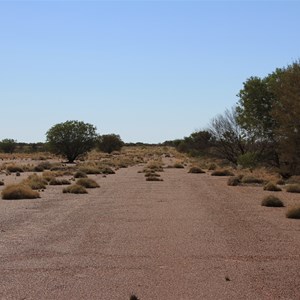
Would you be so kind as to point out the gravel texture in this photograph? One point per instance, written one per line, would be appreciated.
(188, 237)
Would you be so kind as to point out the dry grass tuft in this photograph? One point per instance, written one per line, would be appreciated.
(35, 182)
(293, 212)
(19, 191)
(252, 180)
(55, 181)
(293, 188)
(272, 187)
(75, 189)
(233, 181)
(87, 183)
(272, 201)
(14, 168)
(80, 174)
(224, 172)
(196, 170)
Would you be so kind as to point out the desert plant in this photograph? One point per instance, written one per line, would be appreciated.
(272, 187)
(14, 168)
(247, 160)
(152, 175)
(196, 170)
(87, 183)
(55, 181)
(1, 182)
(80, 174)
(272, 201)
(75, 189)
(71, 139)
(153, 178)
(212, 167)
(109, 143)
(178, 166)
(133, 297)
(293, 188)
(108, 170)
(35, 182)
(293, 213)
(8, 145)
(19, 191)
(252, 180)
(222, 173)
(45, 165)
(233, 181)
(90, 170)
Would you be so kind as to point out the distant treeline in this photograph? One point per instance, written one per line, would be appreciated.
(262, 129)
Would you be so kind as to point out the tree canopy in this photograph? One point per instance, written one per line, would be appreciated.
(71, 139)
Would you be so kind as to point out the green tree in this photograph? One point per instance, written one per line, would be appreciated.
(256, 101)
(8, 145)
(286, 112)
(109, 143)
(71, 139)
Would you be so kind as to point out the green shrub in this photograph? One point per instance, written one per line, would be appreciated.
(272, 201)
(247, 160)
(196, 170)
(222, 173)
(251, 180)
(293, 213)
(272, 187)
(87, 183)
(293, 188)
(19, 191)
(233, 181)
(75, 189)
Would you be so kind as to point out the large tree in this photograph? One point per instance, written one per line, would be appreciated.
(71, 139)
(109, 143)
(286, 111)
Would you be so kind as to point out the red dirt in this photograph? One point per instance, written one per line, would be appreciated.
(188, 237)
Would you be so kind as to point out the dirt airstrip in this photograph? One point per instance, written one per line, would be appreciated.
(188, 237)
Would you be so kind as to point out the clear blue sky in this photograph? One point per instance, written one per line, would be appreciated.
(148, 70)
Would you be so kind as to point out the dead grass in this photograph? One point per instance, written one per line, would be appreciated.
(87, 183)
(252, 180)
(55, 181)
(196, 170)
(14, 168)
(75, 189)
(233, 181)
(80, 174)
(293, 212)
(19, 191)
(35, 182)
(272, 201)
(272, 187)
(293, 188)
(223, 172)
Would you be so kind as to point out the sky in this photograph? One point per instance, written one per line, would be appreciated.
(149, 71)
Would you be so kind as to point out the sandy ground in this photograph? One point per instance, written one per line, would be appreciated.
(188, 237)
